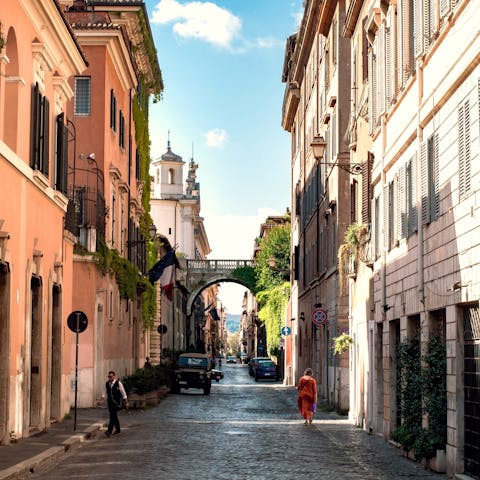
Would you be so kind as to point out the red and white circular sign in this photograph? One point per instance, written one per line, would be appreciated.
(319, 316)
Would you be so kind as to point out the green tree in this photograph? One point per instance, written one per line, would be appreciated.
(273, 291)
(275, 245)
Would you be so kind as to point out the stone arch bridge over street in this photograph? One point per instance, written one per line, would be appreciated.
(203, 273)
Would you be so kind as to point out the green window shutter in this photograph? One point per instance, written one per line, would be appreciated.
(435, 179)
(412, 196)
(424, 182)
(45, 136)
(402, 204)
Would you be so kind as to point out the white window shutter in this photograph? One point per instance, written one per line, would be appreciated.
(444, 7)
(381, 69)
(418, 26)
(389, 71)
(464, 148)
(400, 45)
(385, 218)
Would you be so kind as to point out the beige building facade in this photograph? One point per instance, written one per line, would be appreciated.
(409, 263)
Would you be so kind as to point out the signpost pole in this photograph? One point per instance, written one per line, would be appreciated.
(77, 314)
(77, 322)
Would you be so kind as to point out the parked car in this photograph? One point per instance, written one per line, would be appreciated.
(231, 359)
(266, 369)
(253, 363)
(217, 375)
(192, 370)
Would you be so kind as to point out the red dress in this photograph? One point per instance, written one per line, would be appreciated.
(307, 396)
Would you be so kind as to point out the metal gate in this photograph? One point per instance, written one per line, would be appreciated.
(471, 322)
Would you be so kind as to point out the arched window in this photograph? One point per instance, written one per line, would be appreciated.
(12, 89)
(171, 176)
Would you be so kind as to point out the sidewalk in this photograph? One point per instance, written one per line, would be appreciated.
(27, 455)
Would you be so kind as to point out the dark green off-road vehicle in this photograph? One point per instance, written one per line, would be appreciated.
(192, 370)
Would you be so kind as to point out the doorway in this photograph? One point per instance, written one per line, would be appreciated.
(4, 349)
(471, 332)
(56, 349)
(35, 354)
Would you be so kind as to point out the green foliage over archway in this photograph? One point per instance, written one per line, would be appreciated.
(272, 287)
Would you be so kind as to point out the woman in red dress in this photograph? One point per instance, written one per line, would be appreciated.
(307, 395)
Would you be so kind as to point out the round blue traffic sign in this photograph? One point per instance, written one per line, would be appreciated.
(319, 316)
(286, 331)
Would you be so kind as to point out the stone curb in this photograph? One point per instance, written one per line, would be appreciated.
(25, 468)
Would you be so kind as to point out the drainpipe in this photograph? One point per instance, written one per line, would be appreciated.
(421, 276)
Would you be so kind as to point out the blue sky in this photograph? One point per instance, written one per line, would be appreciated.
(221, 63)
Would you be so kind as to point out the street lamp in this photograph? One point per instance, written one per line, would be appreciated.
(318, 149)
(152, 233)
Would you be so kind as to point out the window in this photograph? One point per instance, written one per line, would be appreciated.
(137, 165)
(39, 159)
(407, 217)
(392, 212)
(171, 176)
(113, 111)
(366, 189)
(464, 154)
(82, 96)
(430, 180)
(121, 125)
(411, 195)
(61, 155)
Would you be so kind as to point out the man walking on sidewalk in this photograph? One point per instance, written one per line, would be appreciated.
(115, 394)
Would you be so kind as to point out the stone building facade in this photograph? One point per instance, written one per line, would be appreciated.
(411, 266)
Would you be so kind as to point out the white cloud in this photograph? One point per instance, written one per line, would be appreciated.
(233, 236)
(216, 138)
(203, 20)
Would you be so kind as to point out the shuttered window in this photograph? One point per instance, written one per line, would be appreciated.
(392, 213)
(464, 153)
(430, 186)
(376, 226)
(353, 201)
(82, 96)
(386, 210)
(389, 58)
(40, 131)
(61, 155)
(366, 189)
(372, 89)
(121, 128)
(113, 111)
(402, 216)
(381, 74)
(410, 191)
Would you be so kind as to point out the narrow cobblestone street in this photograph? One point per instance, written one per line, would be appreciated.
(243, 430)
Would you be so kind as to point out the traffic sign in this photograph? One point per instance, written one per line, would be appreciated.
(286, 331)
(162, 329)
(319, 316)
(77, 321)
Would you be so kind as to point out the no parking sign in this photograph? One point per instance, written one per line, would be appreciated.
(319, 316)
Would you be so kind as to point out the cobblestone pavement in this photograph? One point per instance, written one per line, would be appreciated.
(243, 430)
